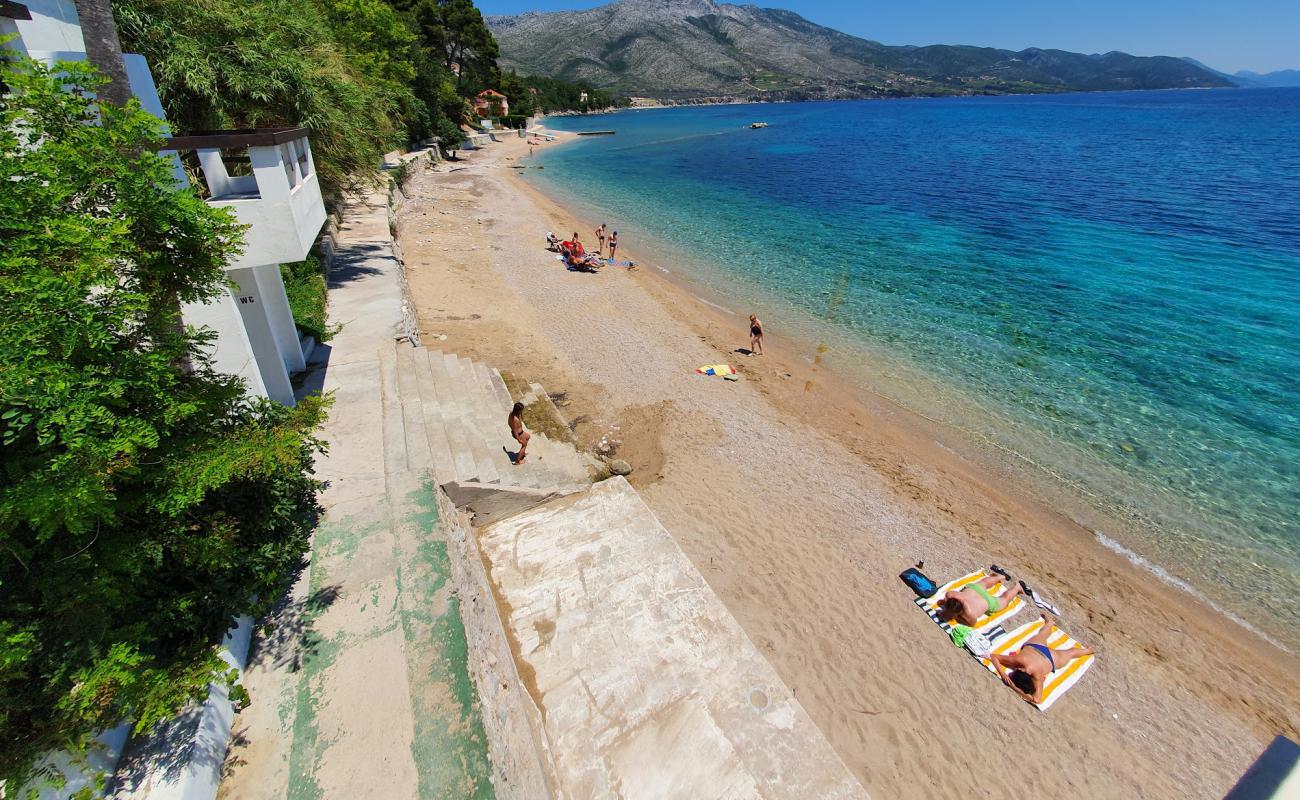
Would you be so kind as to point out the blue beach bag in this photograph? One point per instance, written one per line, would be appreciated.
(917, 581)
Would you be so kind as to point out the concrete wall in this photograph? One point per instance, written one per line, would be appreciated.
(520, 763)
(53, 26)
(231, 351)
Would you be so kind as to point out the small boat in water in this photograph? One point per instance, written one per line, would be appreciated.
(758, 124)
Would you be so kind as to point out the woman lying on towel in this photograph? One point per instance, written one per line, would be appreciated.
(1028, 668)
(966, 604)
(588, 262)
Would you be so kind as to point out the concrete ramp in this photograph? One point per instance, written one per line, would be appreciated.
(644, 685)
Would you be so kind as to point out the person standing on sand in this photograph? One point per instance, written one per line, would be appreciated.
(1027, 668)
(613, 244)
(517, 431)
(755, 335)
(600, 239)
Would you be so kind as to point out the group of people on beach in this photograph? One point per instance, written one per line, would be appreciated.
(577, 257)
(1026, 671)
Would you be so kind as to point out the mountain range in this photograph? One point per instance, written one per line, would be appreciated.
(701, 49)
(1281, 77)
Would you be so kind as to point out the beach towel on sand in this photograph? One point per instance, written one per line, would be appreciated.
(1060, 681)
(717, 369)
(990, 624)
(991, 627)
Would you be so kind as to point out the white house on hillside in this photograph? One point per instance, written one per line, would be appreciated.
(267, 177)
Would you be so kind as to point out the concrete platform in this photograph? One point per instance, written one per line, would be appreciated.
(643, 684)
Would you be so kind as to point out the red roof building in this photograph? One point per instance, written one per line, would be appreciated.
(491, 103)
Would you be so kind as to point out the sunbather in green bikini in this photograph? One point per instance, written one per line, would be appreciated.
(968, 603)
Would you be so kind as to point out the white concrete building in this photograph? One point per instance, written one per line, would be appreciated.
(277, 195)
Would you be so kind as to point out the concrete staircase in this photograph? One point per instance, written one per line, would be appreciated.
(452, 413)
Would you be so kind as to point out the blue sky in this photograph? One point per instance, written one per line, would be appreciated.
(1260, 35)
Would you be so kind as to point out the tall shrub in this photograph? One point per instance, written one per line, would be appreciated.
(144, 500)
(262, 63)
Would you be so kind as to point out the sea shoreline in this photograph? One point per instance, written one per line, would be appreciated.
(926, 500)
(1035, 483)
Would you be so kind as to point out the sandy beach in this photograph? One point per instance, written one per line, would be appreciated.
(800, 498)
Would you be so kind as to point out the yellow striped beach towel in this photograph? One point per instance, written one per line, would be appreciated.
(990, 624)
(1060, 681)
(1003, 642)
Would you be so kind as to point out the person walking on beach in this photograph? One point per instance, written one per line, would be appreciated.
(755, 335)
(1027, 669)
(517, 431)
(600, 239)
(613, 244)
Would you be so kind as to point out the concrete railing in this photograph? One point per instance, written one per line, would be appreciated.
(280, 200)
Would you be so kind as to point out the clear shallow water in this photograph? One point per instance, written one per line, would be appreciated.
(1104, 286)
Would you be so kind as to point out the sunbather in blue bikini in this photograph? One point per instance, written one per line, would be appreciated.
(1027, 669)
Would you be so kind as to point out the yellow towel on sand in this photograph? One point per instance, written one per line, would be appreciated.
(991, 625)
(1060, 681)
(984, 623)
(716, 369)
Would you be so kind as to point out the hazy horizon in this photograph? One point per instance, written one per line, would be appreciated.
(1255, 35)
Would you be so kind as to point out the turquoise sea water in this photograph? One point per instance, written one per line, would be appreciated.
(1100, 288)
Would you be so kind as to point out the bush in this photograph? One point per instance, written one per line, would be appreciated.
(515, 121)
(305, 282)
(235, 63)
(145, 501)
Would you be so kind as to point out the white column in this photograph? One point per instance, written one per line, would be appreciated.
(214, 171)
(231, 352)
(311, 163)
(268, 167)
(276, 305)
(253, 309)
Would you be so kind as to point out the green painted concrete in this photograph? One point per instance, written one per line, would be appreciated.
(449, 747)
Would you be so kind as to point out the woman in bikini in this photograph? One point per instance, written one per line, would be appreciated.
(755, 335)
(613, 244)
(517, 431)
(966, 604)
(1028, 668)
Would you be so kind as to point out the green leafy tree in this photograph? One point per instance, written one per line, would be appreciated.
(260, 63)
(456, 31)
(145, 501)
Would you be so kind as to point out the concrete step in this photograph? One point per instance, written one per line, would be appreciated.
(491, 421)
(461, 454)
(456, 409)
(490, 459)
(488, 503)
(444, 465)
(499, 388)
(418, 457)
(455, 400)
(459, 408)
(393, 429)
